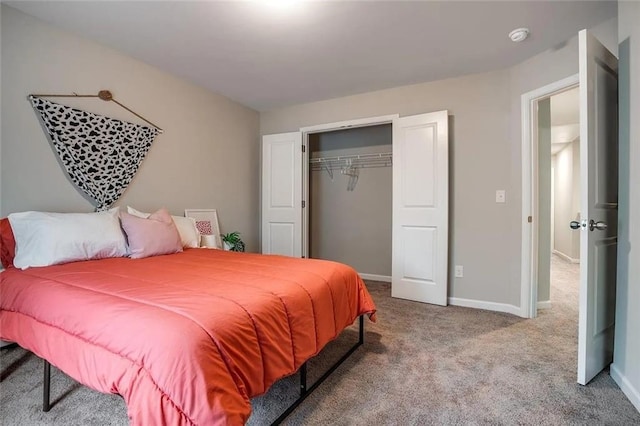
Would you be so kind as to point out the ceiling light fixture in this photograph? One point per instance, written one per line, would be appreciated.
(519, 34)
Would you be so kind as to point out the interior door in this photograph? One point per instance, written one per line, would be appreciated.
(282, 194)
(420, 207)
(599, 204)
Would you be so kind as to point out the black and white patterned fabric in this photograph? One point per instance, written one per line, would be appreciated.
(100, 154)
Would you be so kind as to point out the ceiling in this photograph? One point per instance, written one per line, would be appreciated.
(269, 54)
(565, 119)
(565, 107)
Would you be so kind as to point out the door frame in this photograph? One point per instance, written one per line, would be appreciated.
(328, 127)
(529, 258)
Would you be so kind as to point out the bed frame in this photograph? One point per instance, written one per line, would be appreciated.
(304, 390)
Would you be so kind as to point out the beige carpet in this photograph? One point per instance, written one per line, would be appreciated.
(421, 365)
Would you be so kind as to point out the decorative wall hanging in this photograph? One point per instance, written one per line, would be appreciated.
(101, 155)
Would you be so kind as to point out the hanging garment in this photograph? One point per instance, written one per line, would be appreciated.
(100, 154)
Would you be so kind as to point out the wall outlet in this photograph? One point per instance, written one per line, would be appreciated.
(501, 196)
(459, 271)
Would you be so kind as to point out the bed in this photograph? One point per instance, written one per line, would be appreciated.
(185, 338)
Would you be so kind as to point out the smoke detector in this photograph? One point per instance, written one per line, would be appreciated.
(519, 34)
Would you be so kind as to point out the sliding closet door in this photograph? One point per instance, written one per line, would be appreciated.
(282, 194)
(420, 207)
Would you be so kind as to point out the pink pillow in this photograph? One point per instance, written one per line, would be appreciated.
(7, 244)
(152, 236)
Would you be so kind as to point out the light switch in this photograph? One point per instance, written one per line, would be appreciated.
(501, 196)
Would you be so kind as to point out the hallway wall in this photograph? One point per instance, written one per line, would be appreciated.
(566, 193)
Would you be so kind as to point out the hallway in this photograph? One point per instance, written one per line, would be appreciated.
(565, 285)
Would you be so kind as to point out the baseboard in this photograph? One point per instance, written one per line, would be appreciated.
(565, 257)
(489, 306)
(3, 343)
(545, 304)
(375, 277)
(625, 385)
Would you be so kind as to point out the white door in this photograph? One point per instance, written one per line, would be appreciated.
(599, 204)
(282, 194)
(420, 207)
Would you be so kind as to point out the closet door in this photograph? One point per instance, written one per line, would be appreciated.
(420, 207)
(282, 194)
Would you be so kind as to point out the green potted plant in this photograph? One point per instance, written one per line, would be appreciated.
(232, 241)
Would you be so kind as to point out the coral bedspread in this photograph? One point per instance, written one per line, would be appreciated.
(186, 338)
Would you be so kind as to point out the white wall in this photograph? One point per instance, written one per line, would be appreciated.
(544, 199)
(206, 158)
(626, 357)
(566, 193)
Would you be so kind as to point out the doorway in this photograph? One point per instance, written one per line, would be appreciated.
(349, 199)
(558, 121)
(536, 173)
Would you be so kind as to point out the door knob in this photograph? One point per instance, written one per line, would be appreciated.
(574, 224)
(600, 225)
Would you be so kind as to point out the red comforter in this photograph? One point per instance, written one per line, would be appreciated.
(186, 338)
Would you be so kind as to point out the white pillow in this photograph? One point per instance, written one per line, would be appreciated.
(189, 234)
(138, 213)
(44, 239)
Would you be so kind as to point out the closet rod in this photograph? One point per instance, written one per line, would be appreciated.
(381, 155)
(327, 167)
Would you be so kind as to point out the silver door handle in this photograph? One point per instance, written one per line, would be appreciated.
(600, 225)
(574, 224)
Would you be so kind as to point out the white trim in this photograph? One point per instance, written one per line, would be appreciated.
(375, 277)
(306, 199)
(545, 304)
(566, 257)
(349, 124)
(481, 304)
(4, 343)
(625, 385)
(529, 292)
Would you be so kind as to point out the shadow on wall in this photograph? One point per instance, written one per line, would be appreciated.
(624, 141)
(452, 185)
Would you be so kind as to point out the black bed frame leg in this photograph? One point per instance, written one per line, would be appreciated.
(303, 379)
(306, 391)
(47, 386)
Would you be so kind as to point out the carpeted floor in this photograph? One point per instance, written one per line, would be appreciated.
(421, 364)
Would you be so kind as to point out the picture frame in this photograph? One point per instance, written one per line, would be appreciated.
(207, 225)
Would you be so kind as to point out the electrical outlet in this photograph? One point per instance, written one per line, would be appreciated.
(459, 271)
(501, 196)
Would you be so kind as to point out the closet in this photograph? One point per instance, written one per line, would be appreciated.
(349, 201)
(312, 180)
